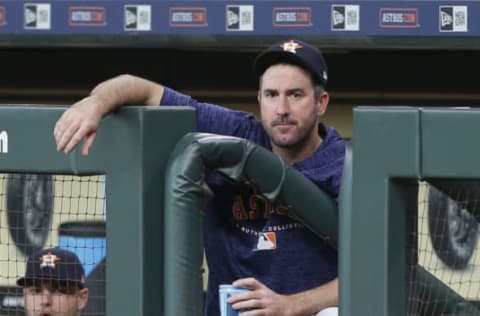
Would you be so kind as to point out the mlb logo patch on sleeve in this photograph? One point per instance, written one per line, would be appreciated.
(266, 241)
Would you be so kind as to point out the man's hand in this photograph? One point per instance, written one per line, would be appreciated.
(263, 301)
(260, 300)
(79, 122)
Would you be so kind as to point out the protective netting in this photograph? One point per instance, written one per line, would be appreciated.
(40, 211)
(443, 260)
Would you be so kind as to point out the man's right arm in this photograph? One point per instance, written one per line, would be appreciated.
(81, 120)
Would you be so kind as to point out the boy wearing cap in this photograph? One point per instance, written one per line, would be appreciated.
(54, 284)
(248, 241)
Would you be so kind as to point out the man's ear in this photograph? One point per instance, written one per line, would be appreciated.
(82, 299)
(322, 103)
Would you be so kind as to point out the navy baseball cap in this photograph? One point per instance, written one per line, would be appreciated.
(294, 52)
(53, 264)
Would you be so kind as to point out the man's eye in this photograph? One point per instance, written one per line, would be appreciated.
(66, 289)
(35, 290)
(63, 289)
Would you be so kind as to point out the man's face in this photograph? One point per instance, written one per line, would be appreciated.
(54, 299)
(288, 107)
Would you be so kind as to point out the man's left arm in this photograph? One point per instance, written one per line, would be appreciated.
(264, 301)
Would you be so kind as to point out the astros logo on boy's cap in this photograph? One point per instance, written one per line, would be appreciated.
(53, 264)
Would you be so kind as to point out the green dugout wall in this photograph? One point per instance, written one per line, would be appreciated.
(394, 148)
(154, 171)
(131, 151)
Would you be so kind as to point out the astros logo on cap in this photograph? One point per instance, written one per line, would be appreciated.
(291, 46)
(49, 260)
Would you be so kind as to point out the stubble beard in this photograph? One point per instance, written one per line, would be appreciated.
(299, 138)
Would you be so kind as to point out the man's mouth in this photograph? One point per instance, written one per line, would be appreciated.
(283, 123)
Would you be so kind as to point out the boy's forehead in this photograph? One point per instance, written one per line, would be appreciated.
(44, 283)
(41, 281)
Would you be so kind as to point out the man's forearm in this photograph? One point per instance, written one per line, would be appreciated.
(126, 90)
(312, 301)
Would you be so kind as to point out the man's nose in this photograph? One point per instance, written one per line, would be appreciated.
(46, 297)
(283, 107)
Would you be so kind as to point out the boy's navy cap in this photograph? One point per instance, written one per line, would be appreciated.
(53, 264)
(294, 52)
